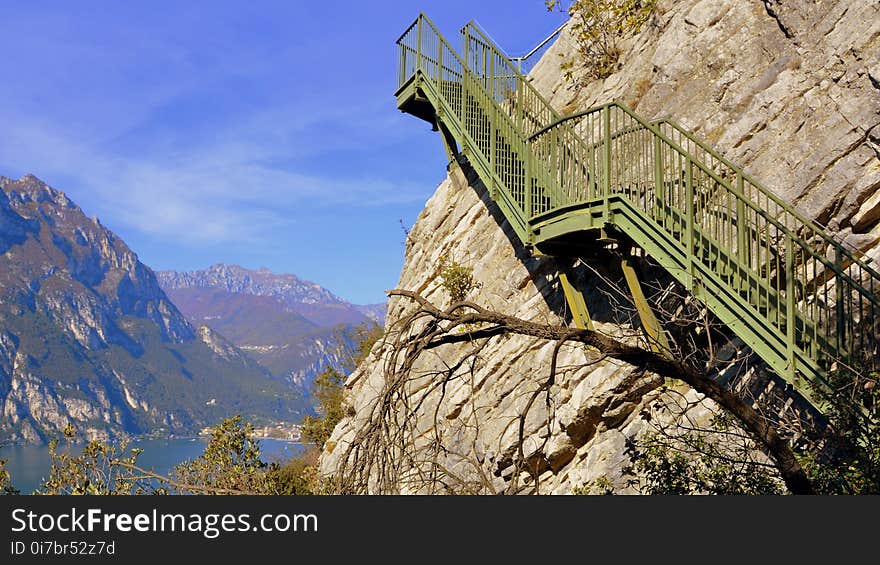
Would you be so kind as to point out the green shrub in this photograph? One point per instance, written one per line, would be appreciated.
(598, 26)
(101, 468)
(6, 480)
(328, 391)
(231, 461)
(456, 279)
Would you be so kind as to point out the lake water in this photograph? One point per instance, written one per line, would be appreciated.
(29, 464)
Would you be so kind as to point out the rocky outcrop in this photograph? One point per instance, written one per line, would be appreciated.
(593, 407)
(787, 89)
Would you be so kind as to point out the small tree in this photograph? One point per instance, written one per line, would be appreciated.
(846, 459)
(101, 468)
(328, 391)
(231, 462)
(6, 480)
(598, 27)
(356, 343)
(456, 279)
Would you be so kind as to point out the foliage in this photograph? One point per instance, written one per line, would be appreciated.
(231, 461)
(664, 467)
(230, 464)
(456, 279)
(6, 480)
(598, 27)
(846, 459)
(100, 468)
(328, 390)
(367, 338)
(602, 485)
(362, 337)
(683, 459)
(299, 476)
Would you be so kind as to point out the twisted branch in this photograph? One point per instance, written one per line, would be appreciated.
(384, 432)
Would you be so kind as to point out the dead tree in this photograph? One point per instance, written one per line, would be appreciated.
(380, 453)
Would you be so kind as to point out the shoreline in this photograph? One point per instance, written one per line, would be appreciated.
(132, 439)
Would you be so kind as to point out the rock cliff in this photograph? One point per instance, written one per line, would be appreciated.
(790, 90)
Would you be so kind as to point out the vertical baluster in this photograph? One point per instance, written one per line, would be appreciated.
(419, 44)
(606, 189)
(838, 284)
(493, 126)
(790, 306)
(742, 242)
(874, 324)
(401, 76)
(827, 326)
(861, 322)
(529, 189)
(444, 86)
(689, 204)
(658, 180)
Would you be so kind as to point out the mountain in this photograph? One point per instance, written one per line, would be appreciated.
(308, 299)
(292, 327)
(88, 337)
(375, 312)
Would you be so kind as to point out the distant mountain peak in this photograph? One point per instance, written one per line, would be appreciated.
(30, 188)
(288, 288)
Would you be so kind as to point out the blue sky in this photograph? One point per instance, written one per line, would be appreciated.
(260, 133)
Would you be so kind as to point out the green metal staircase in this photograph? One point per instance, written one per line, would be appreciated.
(799, 298)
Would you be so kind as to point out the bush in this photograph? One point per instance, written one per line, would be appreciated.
(598, 27)
(456, 279)
(328, 390)
(101, 468)
(846, 458)
(231, 462)
(357, 343)
(6, 480)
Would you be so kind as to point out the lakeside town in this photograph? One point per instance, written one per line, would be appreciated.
(283, 431)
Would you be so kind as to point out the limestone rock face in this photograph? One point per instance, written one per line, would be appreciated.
(789, 90)
(593, 405)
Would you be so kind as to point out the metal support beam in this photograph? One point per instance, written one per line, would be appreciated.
(580, 315)
(656, 337)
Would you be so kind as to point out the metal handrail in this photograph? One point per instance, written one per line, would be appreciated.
(538, 47)
(535, 163)
(519, 60)
(817, 229)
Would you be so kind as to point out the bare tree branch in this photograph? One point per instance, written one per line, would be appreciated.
(470, 315)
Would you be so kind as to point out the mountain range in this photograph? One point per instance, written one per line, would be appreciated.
(292, 327)
(89, 338)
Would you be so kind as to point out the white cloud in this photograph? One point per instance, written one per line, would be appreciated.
(88, 113)
(220, 192)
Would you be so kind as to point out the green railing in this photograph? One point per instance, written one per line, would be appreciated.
(801, 300)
